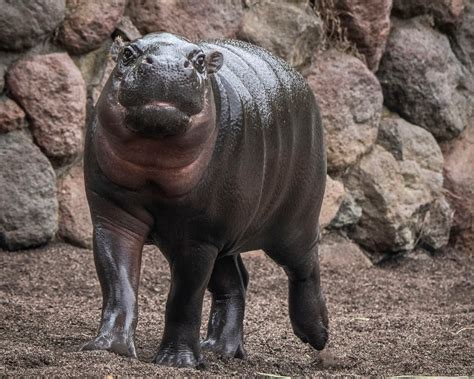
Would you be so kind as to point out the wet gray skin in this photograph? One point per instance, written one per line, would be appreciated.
(207, 150)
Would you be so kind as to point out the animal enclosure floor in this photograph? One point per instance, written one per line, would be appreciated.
(414, 316)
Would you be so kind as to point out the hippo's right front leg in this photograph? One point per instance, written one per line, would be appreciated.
(118, 242)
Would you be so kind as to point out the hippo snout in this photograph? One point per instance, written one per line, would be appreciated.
(162, 79)
(161, 64)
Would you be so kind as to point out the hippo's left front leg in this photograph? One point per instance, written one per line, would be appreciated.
(191, 268)
(118, 242)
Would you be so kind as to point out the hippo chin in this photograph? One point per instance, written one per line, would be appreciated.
(207, 150)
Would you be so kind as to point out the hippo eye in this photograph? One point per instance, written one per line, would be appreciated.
(128, 54)
(199, 62)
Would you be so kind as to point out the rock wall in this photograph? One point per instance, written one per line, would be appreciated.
(393, 80)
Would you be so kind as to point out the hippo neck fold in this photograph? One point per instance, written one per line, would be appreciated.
(174, 163)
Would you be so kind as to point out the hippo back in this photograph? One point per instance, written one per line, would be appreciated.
(270, 149)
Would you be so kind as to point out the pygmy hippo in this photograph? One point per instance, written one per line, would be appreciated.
(206, 150)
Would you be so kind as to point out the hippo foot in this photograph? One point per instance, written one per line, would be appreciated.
(231, 349)
(116, 344)
(308, 315)
(316, 335)
(178, 358)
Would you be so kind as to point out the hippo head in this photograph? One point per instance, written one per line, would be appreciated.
(161, 81)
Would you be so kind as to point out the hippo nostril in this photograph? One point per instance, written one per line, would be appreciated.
(149, 60)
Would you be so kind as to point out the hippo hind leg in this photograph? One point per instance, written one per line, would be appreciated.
(307, 308)
(228, 285)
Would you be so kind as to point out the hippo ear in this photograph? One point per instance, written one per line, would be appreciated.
(116, 48)
(214, 61)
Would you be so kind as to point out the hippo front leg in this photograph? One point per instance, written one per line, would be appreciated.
(118, 244)
(191, 268)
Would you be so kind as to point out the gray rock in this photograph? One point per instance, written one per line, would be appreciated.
(350, 98)
(378, 186)
(291, 31)
(410, 142)
(394, 196)
(443, 11)
(28, 205)
(423, 81)
(463, 37)
(436, 226)
(24, 23)
(349, 213)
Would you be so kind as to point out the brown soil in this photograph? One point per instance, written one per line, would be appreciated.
(411, 316)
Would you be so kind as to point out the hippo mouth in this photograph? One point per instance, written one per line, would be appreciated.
(157, 119)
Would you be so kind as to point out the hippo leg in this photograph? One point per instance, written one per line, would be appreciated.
(307, 308)
(225, 328)
(191, 269)
(117, 255)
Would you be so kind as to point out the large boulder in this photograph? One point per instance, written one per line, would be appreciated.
(88, 23)
(29, 209)
(23, 23)
(52, 92)
(350, 98)
(443, 11)
(401, 196)
(409, 142)
(459, 182)
(75, 225)
(333, 197)
(12, 116)
(194, 19)
(423, 81)
(378, 186)
(291, 31)
(368, 26)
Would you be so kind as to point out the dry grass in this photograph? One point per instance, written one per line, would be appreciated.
(335, 34)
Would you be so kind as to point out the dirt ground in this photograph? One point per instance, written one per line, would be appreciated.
(409, 316)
